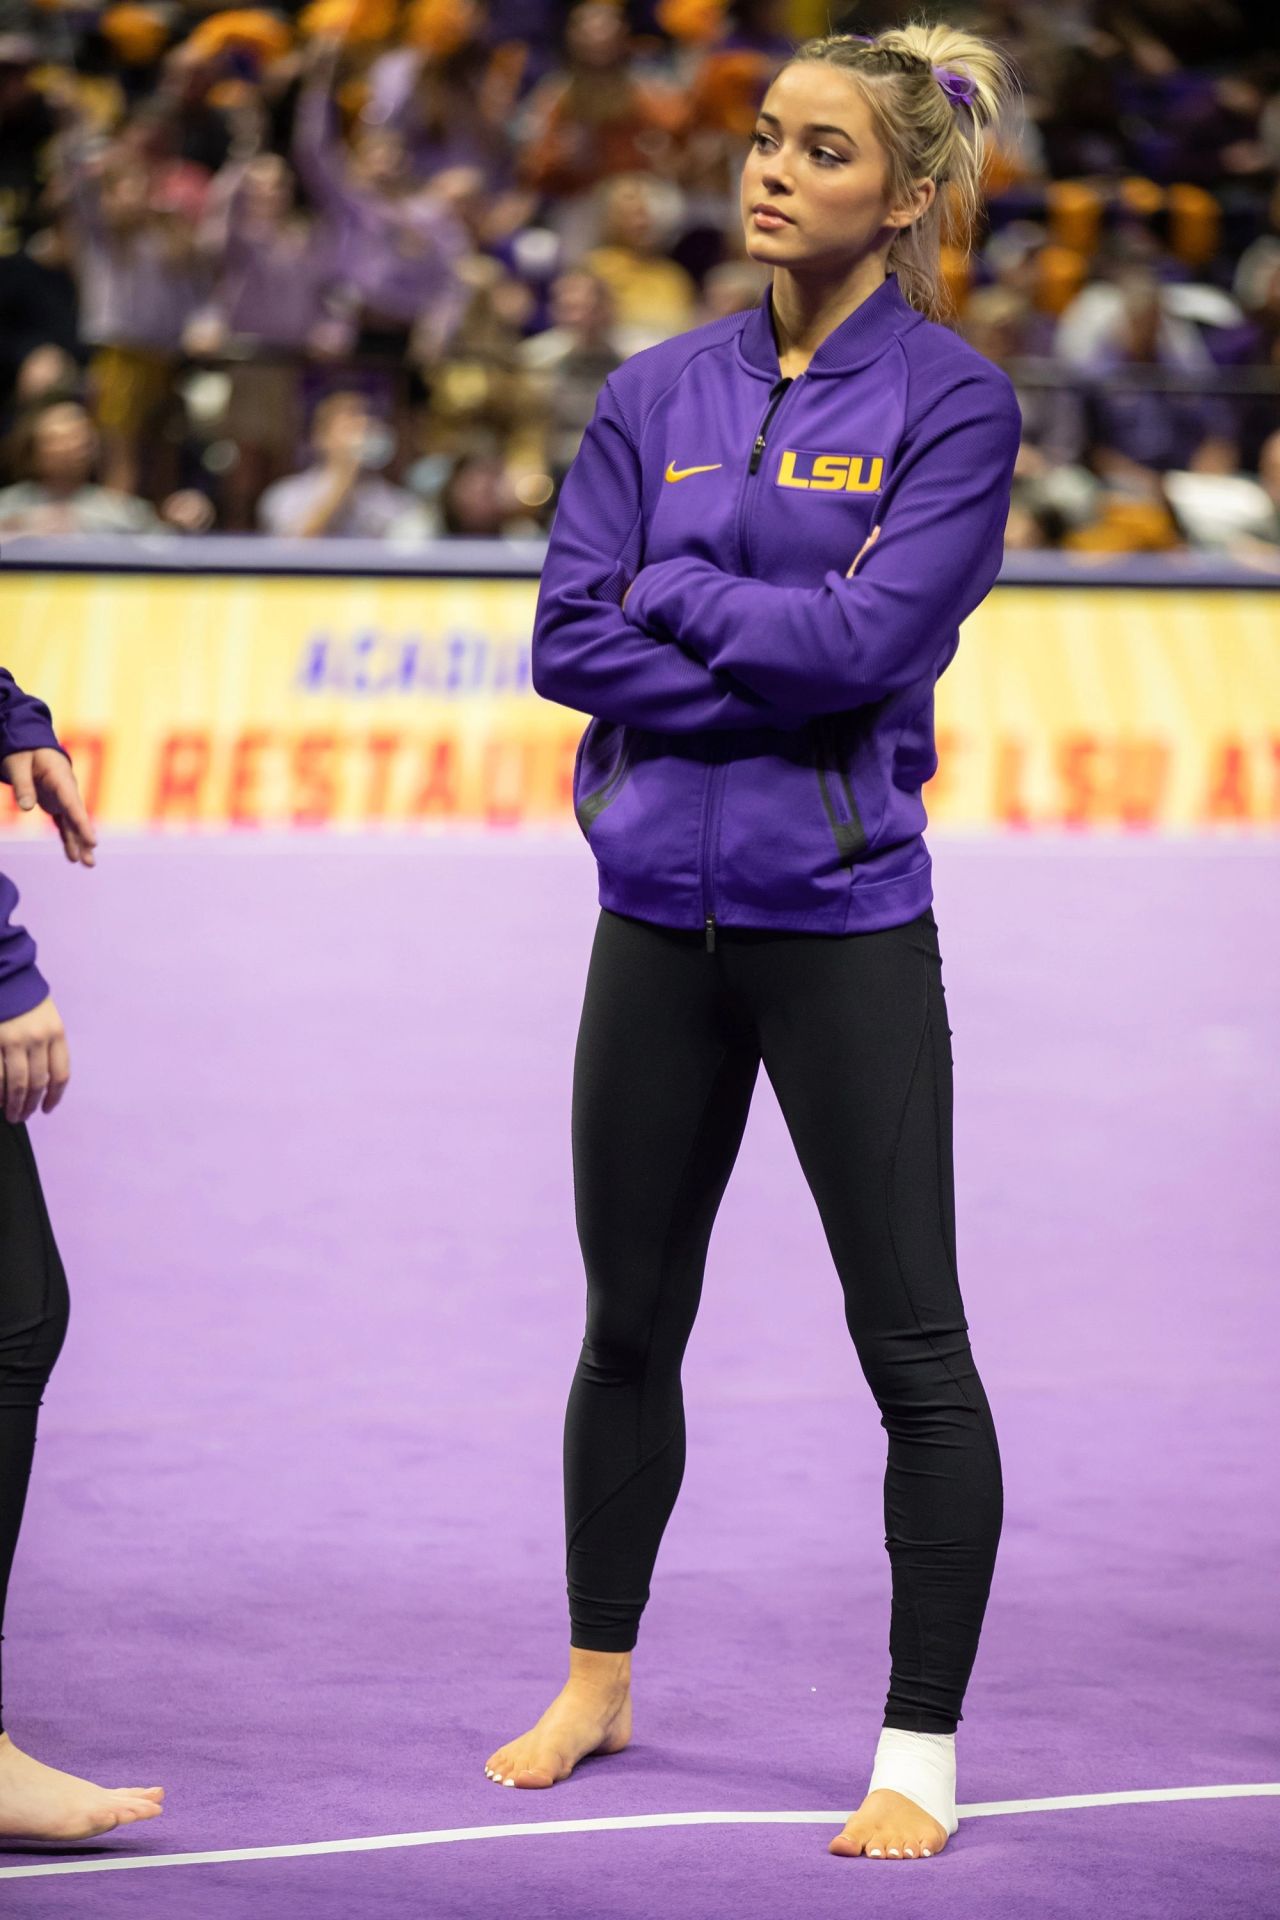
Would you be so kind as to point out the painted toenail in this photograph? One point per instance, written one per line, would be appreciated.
(926, 1853)
(874, 1852)
(509, 1783)
(908, 1853)
(894, 1854)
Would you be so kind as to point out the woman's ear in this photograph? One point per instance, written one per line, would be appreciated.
(920, 203)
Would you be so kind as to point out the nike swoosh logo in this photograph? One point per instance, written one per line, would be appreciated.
(682, 473)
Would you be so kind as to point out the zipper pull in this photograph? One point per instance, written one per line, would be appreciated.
(775, 394)
(711, 933)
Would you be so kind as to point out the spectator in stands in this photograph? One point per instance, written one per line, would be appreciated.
(1257, 287)
(1221, 509)
(596, 118)
(1001, 323)
(653, 298)
(274, 266)
(570, 361)
(56, 494)
(1134, 429)
(397, 245)
(1130, 305)
(140, 276)
(38, 301)
(45, 374)
(481, 500)
(449, 93)
(339, 493)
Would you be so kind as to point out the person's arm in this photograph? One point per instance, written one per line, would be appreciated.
(588, 653)
(75, 180)
(314, 151)
(852, 641)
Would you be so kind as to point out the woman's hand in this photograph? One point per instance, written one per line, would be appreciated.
(866, 547)
(46, 776)
(34, 1061)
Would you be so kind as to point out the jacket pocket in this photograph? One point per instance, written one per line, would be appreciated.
(833, 783)
(600, 778)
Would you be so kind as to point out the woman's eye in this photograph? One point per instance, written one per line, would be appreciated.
(822, 154)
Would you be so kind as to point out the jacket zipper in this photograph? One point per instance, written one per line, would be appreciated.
(716, 783)
(850, 835)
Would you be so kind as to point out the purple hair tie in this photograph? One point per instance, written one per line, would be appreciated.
(958, 87)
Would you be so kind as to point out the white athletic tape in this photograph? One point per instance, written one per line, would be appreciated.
(923, 1767)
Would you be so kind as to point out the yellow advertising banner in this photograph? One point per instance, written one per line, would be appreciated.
(215, 701)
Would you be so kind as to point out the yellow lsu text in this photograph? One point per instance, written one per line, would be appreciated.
(832, 472)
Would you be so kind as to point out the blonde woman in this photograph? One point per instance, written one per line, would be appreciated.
(760, 562)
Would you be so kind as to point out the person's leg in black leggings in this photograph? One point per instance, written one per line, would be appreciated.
(37, 1801)
(855, 1039)
(33, 1322)
(663, 1077)
(662, 1086)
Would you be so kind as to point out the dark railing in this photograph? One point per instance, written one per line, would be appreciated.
(522, 560)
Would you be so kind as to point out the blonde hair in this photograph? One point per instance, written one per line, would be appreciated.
(930, 128)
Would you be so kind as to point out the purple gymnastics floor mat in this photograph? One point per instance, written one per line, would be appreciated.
(294, 1543)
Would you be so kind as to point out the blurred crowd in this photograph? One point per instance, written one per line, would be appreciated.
(361, 266)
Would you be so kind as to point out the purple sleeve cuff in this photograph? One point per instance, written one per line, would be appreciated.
(22, 985)
(25, 722)
(21, 991)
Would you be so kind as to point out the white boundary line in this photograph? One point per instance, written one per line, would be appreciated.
(436, 1837)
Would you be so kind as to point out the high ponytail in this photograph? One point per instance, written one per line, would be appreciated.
(932, 92)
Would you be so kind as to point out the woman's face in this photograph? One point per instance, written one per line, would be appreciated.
(815, 160)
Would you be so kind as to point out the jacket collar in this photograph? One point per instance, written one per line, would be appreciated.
(856, 342)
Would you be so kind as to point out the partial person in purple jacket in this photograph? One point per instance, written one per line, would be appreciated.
(36, 1801)
(759, 566)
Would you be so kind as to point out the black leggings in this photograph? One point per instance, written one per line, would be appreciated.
(853, 1033)
(33, 1322)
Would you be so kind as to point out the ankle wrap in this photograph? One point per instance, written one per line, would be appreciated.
(923, 1767)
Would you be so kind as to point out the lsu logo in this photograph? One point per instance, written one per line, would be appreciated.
(831, 472)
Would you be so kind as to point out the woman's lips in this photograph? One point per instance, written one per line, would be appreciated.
(770, 217)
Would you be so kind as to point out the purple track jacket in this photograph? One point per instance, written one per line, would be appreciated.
(763, 722)
(25, 723)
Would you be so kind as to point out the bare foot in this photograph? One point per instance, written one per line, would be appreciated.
(39, 1803)
(590, 1714)
(890, 1826)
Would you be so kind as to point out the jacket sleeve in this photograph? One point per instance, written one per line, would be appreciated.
(589, 654)
(25, 722)
(851, 642)
(22, 986)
